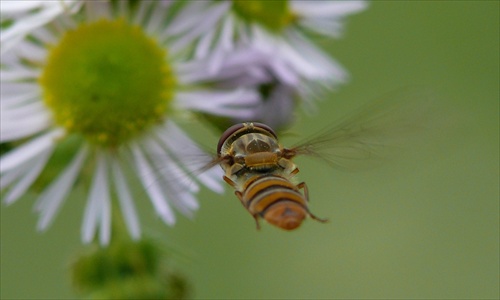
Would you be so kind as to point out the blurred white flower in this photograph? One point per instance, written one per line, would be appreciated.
(105, 78)
(261, 44)
(274, 28)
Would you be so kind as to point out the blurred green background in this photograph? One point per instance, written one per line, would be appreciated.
(424, 226)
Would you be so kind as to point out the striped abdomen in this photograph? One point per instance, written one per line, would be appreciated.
(275, 199)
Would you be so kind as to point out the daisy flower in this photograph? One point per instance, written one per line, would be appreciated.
(103, 82)
(269, 39)
(275, 28)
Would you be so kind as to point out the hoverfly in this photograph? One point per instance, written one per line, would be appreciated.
(262, 171)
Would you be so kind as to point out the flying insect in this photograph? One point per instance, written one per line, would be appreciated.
(262, 171)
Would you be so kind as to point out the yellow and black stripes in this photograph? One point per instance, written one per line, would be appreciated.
(261, 192)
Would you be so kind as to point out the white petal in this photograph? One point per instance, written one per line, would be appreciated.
(126, 204)
(23, 111)
(227, 32)
(15, 7)
(19, 73)
(24, 128)
(28, 23)
(105, 233)
(102, 193)
(146, 175)
(29, 150)
(123, 9)
(142, 11)
(167, 168)
(24, 183)
(215, 61)
(178, 191)
(166, 3)
(98, 209)
(184, 201)
(284, 73)
(10, 44)
(298, 61)
(243, 33)
(184, 149)
(187, 17)
(9, 177)
(252, 76)
(12, 89)
(192, 72)
(90, 220)
(95, 10)
(15, 174)
(329, 70)
(203, 46)
(16, 94)
(331, 28)
(337, 9)
(49, 202)
(154, 22)
(241, 67)
(237, 103)
(210, 18)
(45, 36)
(305, 67)
(221, 48)
(31, 51)
(63, 23)
(235, 62)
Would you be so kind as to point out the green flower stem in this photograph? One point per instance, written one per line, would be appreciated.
(126, 269)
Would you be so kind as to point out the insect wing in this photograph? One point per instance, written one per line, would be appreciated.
(372, 134)
(181, 164)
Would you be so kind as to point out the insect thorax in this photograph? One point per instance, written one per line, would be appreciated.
(255, 155)
(254, 143)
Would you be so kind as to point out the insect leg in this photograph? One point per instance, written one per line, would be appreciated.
(288, 165)
(256, 218)
(240, 196)
(229, 181)
(317, 218)
(303, 186)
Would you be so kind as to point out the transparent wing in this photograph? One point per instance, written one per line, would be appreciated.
(374, 133)
(181, 163)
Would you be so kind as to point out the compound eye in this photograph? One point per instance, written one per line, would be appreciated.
(227, 134)
(265, 127)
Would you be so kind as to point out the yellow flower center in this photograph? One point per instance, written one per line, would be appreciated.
(107, 81)
(274, 15)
